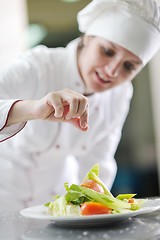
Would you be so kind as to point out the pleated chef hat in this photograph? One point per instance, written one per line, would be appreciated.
(132, 24)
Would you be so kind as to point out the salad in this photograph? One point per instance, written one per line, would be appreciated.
(91, 197)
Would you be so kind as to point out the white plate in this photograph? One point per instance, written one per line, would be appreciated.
(40, 212)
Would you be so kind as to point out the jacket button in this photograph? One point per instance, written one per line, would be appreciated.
(57, 146)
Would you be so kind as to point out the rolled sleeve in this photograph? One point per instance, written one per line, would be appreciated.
(8, 131)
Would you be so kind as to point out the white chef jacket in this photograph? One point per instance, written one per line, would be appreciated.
(42, 155)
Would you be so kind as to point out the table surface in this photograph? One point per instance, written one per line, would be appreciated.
(13, 226)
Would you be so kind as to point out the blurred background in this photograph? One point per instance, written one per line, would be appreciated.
(27, 23)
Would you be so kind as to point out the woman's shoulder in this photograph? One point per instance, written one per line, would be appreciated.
(44, 51)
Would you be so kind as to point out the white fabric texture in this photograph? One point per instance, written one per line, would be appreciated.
(7, 132)
(35, 163)
(132, 24)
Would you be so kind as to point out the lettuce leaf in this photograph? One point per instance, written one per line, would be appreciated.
(60, 207)
(75, 196)
(93, 175)
(126, 196)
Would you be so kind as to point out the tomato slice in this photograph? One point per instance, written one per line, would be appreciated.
(131, 200)
(91, 208)
(93, 185)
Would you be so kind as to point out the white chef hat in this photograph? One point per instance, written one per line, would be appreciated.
(132, 24)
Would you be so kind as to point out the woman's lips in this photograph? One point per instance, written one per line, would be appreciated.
(102, 79)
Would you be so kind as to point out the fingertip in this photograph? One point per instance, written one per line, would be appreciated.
(76, 122)
(85, 129)
(83, 124)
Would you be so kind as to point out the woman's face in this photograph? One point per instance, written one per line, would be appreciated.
(103, 64)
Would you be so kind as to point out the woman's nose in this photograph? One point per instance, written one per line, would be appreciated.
(112, 68)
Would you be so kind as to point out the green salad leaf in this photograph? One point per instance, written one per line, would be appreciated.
(93, 175)
(125, 196)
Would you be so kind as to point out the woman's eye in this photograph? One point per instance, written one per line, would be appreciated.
(108, 52)
(129, 66)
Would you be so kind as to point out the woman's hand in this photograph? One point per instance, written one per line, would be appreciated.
(62, 106)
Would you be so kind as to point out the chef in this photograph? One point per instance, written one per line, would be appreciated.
(39, 149)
